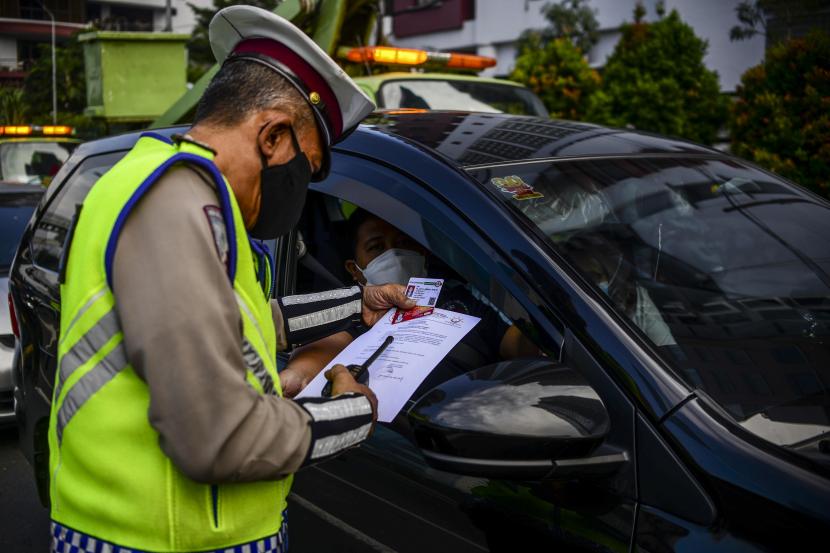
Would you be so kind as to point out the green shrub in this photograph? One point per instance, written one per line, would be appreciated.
(558, 73)
(781, 118)
(656, 80)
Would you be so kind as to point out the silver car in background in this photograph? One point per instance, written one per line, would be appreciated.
(17, 203)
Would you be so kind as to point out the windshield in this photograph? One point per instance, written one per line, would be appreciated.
(15, 212)
(460, 95)
(723, 268)
(32, 162)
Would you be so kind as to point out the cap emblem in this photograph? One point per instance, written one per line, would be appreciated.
(314, 98)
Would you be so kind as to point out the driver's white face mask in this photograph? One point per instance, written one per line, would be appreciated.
(394, 266)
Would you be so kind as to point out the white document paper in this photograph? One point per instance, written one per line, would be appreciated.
(419, 345)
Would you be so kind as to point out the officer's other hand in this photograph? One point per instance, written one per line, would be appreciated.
(343, 382)
(378, 299)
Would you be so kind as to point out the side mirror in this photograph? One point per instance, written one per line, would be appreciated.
(526, 419)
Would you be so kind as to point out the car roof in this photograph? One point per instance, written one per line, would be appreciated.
(473, 139)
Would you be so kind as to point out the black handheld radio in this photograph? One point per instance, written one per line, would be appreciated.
(361, 372)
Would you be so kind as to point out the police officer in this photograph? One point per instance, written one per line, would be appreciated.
(168, 431)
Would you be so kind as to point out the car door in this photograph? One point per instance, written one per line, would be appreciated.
(590, 514)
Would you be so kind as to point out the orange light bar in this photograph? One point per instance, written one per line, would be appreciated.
(17, 130)
(469, 61)
(407, 56)
(386, 54)
(56, 130)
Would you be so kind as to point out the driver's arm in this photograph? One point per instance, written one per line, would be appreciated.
(308, 360)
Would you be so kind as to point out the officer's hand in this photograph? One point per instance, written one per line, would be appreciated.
(343, 382)
(378, 299)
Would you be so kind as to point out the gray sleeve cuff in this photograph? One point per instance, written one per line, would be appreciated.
(337, 424)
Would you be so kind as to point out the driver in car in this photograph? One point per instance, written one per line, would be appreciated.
(384, 254)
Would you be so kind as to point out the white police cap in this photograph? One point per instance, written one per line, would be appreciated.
(250, 33)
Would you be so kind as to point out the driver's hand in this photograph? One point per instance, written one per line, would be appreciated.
(377, 300)
(343, 382)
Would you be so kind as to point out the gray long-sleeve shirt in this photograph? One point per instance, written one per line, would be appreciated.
(183, 336)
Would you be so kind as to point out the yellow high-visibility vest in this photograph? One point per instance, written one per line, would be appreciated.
(109, 477)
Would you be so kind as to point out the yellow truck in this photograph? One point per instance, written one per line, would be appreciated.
(437, 90)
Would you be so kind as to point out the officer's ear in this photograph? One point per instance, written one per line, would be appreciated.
(274, 139)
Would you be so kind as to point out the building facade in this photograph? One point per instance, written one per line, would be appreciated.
(491, 28)
(25, 24)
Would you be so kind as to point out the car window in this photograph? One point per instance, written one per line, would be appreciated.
(460, 95)
(53, 225)
(15, 211)
(725, 269)
(455, 252)
(33, 162)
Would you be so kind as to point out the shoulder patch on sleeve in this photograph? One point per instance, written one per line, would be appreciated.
(220, 234)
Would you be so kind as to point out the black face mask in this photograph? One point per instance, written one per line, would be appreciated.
(282, 194)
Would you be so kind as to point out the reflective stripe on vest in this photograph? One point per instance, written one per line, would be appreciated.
(253, 362)
(103, 371)
(86, 347)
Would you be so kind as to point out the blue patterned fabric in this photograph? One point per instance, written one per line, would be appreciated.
(66, 540)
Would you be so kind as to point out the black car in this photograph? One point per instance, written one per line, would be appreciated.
(679, 299)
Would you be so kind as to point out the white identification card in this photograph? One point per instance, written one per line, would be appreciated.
(425, 292)
(419, 345)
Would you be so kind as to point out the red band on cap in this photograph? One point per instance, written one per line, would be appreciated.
(309, 76)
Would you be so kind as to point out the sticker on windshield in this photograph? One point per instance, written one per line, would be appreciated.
(514, 184)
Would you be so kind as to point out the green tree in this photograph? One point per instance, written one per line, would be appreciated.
(571, 19)
(753, 20)
(70, 79)
(775, 19)
(558, 73)
(551, 62)
(781, 118)
(71, 90)
(200, 55)
(13, 107)
(655, 80)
